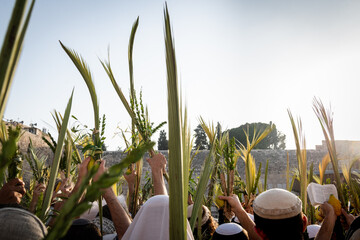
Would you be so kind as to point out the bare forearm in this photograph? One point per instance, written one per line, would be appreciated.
(33, 203)
(120, 218)
(247, 223)
(326, 229)
(159, 183)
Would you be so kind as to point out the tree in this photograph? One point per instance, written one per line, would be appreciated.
(275, 139)
(201, 142)
(163, 143)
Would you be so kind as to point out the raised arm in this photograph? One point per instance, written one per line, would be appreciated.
(12, 192)
(119, 216)
(241, 214)
(328, 224)
(39, 188)
(130, 179)
(158, 164)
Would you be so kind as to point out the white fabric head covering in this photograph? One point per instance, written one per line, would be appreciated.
(249, 214)
(92, 212)
(19, 224)
(108, 225)
(228, 229)
(277, 203)
(312, 230)
(152, 221)
(204, 219)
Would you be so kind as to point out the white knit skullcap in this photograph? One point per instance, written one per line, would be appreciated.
(312, 230)
(228, 229)
(277, 203)
(249, 214)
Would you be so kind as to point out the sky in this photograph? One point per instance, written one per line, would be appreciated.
(238, 61)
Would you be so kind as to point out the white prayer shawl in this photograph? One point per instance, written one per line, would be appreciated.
(152, 221)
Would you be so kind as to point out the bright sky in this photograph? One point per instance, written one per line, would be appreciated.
(238, 61)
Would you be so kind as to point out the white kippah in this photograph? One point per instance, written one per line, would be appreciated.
(229, 229)
(250, 216)
(277, 203)
(312, 230)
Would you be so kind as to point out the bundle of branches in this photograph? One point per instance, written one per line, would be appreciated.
(37, 163)
(40, 172)
(226, 173)
(70, 157)
(138, 115)
(252, 177)
(325, 117)
(10, 158)
(72, 208)
(300, 144)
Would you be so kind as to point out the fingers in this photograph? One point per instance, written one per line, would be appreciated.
(86, 161)
(225, 198)
(16, 182)
(101, 170)
(344, 212)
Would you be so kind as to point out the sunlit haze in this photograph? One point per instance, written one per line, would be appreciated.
(238, 62)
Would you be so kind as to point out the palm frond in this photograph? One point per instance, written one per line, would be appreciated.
(178, 209)
(325, 117)
(56, 161)
(11, 49)
(84, 70)
(300, 144)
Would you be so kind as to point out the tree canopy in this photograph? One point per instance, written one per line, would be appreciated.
(163, 143)
(275, 140)
(201, 142)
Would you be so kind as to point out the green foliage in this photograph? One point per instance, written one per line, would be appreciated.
(11, 49)
(266, 174)
(163, 143)
(201, 142)
(274, 140)
(56, 161)
(245, 153)
(177, 198)
(325, 117)
(144, 126)
(72, 208)
(300, 144)
(9, 148)
(229, 154)
(37, 163)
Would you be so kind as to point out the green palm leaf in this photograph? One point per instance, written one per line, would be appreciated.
(56, 161)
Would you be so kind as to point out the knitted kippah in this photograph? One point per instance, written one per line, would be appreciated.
(227, 229)
(277, 203)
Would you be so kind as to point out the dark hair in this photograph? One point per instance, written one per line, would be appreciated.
(82, 230)
(281, 229)
(106, 212)
(207, 229)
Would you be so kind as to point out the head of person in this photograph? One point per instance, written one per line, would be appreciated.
(82, 229)
(230, 231)
(208, 224)
(152, 221)
(17, 223)
(278, 215)
(312, 230)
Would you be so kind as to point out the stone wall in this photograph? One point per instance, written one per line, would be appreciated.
(277, 163)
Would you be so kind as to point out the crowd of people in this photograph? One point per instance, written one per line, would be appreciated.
(277, 215)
